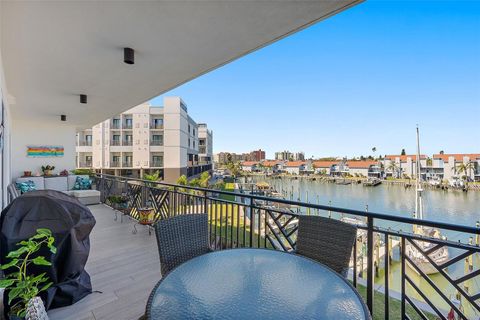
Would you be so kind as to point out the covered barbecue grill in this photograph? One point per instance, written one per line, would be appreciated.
(71, 223)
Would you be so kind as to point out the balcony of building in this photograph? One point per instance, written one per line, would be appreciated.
(156, 160)
(127, 122)
(250, 221)
(156, 122)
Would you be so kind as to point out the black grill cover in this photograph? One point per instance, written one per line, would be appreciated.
(71, 223)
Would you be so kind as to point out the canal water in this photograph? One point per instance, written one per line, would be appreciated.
(454, 207)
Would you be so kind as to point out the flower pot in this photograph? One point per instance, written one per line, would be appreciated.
(145, 216)
(27, 173)
(47, 172)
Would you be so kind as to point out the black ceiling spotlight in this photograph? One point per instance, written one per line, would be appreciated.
(128, 55)
(63, 117)
(83, 98)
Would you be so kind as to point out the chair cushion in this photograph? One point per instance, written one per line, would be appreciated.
(56, 183)
(82, 183)
(39, 181)
(85, 193)
(26, 186)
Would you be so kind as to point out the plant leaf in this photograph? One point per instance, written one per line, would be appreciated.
(4, 283)
(45, 287)
(44, 231)
(12, 294)
(40, 261)
(8, 265)
(17, 253)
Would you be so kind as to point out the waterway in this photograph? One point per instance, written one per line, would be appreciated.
(454, 207)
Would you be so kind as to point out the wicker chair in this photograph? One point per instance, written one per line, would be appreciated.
(181, 238)
(327, 241)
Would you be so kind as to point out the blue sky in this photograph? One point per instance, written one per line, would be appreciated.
(360, 79)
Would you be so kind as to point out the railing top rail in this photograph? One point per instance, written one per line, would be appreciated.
(367, 214)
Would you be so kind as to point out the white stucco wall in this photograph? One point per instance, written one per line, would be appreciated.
(31, 132)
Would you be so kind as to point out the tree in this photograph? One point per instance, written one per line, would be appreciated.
(204, 179)
(403, 152)
(464, 168)
(182, 180)
(235, 168)
(393, 167)
(429, 162)
(441, 152)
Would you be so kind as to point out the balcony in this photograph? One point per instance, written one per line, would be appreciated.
(156, 126)
(85, 164)
(127, 126)
(115, 143)
(156, 163)
(115, 126)
(85, 143)
(127, 142)
(115, 164)
(127, 164)
(263, 222)
(156, 142)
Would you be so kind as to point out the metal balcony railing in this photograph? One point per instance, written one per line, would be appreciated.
(127, 142)
(127, 126)
(84, 143)
(156, 142)
(127, 164)
(115, 164)
(85, 164)
(156, 126)
(386, 256)
(115, 143)
(157, 164)
(115, 126)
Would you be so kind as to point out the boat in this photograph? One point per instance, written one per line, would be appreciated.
(372, 182)
(438, 256)
(435, 181)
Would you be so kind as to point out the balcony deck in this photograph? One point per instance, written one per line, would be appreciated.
(122, 265)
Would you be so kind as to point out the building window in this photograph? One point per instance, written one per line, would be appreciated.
(189, 142)
(194, 132)
(188, 129)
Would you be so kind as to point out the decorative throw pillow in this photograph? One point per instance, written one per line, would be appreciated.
(26, 186)
(82, 184)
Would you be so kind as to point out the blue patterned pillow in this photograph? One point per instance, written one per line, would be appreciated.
(26, 186)
(82, 184)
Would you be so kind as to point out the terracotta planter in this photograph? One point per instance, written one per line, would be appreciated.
(27, 173)
(47, 172)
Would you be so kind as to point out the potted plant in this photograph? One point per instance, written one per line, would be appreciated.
(27, 173)
(64, 173)
(47, 170)
(21, 285)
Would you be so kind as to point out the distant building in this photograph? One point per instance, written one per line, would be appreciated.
(406, 164)
(284, 155)
(448, 165)
(257, 155)
(249, 166)
(226, 157)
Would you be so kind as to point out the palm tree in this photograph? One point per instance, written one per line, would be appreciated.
(464, 168)
(204, 179)
(235, 168)
(151, 177)
(394, 168)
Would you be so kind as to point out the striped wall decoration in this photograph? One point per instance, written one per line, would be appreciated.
(45, 151)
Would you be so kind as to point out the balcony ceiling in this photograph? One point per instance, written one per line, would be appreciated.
(54, 50)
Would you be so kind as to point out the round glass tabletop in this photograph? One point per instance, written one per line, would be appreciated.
(254, 284)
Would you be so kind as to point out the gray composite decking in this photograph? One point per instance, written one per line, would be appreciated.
(123, 266)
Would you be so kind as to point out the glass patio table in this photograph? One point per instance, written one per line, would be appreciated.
(254, 284)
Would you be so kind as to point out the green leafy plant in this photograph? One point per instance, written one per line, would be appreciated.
(21, 285)
(88, 172)
(48, 167)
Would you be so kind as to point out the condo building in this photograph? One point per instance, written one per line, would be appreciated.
(145, 139)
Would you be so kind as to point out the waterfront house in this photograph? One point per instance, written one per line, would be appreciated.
(250, 166)
(272, 166)
(294, 167)
(406, 164)
(368, 168)
(449, 163)
(323, 167)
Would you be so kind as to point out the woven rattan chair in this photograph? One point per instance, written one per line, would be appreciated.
(327, 241)
(181, 238)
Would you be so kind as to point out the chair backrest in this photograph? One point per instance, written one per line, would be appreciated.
(12, 191)
(327, 241)
(181, 238)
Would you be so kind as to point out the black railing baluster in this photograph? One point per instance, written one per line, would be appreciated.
(354, 277)
(403, 272)
(387, 265)
(238, 226)
(251, 223)
(370, 253)
(221, 226)
(231, 215)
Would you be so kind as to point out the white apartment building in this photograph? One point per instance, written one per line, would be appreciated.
(145, 139)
